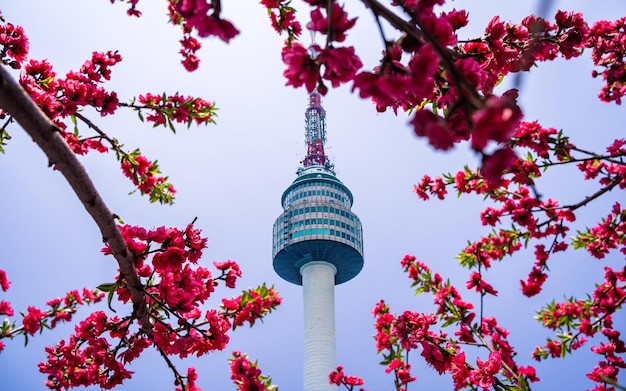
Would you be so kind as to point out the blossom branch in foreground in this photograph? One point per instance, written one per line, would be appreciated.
(167, 262)
(15, 101)
(63, 98)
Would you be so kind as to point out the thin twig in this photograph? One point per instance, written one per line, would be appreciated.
(170, 364)
(94, 127)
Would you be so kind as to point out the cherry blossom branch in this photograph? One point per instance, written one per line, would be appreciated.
(170, 364)
(444, 54)
(160, 191)
(608, 158)
(577, 149)
(616, 181)
(599, 320)
(15, 101)
(95, 128)
(184, 322)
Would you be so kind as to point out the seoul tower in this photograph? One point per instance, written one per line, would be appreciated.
(317, 243)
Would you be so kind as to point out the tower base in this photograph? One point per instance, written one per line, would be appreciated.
(318, 283)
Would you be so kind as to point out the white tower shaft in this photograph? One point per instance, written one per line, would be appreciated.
(318, 283)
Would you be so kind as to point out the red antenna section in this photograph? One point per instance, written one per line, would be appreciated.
(315, 132)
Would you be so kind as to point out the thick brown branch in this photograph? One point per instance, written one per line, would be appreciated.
(15, 101)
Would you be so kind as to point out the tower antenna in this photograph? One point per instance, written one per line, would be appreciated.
(315, 132)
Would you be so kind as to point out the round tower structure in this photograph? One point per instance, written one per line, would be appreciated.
(317, 225)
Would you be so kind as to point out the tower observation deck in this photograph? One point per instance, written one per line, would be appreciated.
(317, 243)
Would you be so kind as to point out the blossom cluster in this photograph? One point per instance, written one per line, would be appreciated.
(145, 174)
(60, 98)
(188, 383)
(251, 305)
(88, 358)
(60, 310)
(607, 40)
(165, 110)
(166, 259)
(204, 17)
(575, 320)
(340, 64)
(246, 375)
(132, 9)
(189, 44)
(14, 44)
(189, 47)
(101, 347)
(283, 18)
(338, 378)
(533, 218)
(397, 335)
(607, 235)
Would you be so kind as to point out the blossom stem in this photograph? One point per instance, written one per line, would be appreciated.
(607, 158)
(616, 181)
(180, 319)
(177, 375)
(114, 144)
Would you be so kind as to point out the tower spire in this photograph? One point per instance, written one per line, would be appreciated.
(315, 132)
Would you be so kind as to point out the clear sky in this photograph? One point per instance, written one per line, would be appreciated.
(231, 176)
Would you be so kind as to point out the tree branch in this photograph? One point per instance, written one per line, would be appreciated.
(466, 90)
(16, 102)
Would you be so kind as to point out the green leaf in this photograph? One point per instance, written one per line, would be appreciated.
(420, 289)
(613, 383)
(140, 115)
(450, 321)
(109, 299)
(522, 383)
(108, 287)
(577, 244)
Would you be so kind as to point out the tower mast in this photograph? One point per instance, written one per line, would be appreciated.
(317, 243)
(315, 132)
